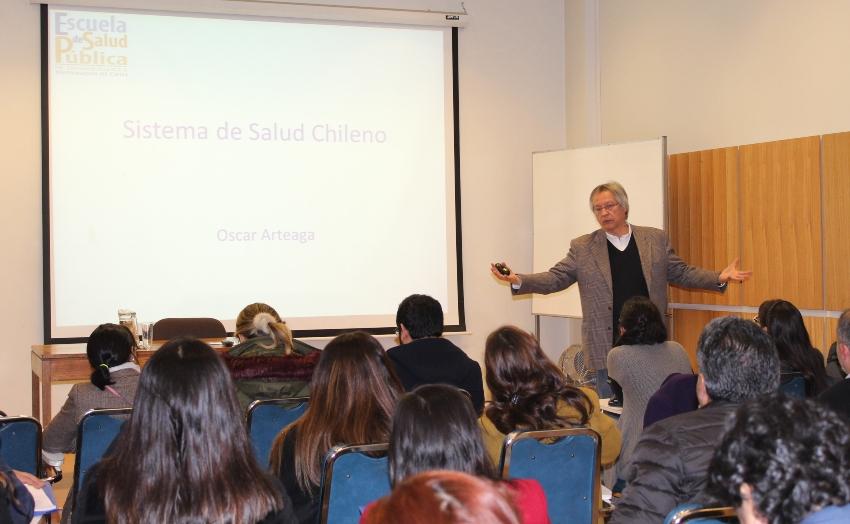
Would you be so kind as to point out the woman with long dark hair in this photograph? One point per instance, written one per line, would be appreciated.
(353, 394)
(530, 393)
(784, 323)
(435, 428)
(639, 363)
(268, 363)
(184, 455)
(115, 376)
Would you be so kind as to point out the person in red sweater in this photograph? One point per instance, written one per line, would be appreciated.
(445, 497)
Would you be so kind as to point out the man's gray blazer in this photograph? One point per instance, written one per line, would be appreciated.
(587, 263)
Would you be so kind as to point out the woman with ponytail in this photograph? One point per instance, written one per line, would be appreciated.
(640, 361)
(268, 362)
(530, 393)
(115, 376)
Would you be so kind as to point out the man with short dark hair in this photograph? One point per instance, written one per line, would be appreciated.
(838, 396)
(425, 357)
(737, 362)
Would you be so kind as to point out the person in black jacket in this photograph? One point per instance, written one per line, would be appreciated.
(837, 397)
(425, 357)
(737, 362)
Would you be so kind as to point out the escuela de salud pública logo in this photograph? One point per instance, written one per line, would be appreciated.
(86, 39)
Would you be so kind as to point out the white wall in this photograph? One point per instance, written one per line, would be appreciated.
(512, 103)
(20, 201)
(724, 72)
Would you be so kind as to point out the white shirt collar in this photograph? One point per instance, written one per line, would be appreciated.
(125, 365)
(620, 242)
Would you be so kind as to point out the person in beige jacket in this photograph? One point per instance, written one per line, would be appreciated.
(529, 392)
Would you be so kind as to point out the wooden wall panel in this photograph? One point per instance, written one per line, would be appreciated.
(829, 337)
(818, 333)
(781, 221)
(836, 198)
(703, 221)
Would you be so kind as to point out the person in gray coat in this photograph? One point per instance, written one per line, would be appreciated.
(737, 362)
(115, 375)
(614, 263)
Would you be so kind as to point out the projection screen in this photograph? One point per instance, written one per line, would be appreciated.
(195, 164)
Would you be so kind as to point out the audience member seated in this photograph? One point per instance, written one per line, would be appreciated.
(184, 454)
(784, 323)
(425, 357)
(353, 395)
(111, 354)
(838, 396)
(445, 497)
(833, 368)
(435, 428)
(784, 460)
(640, 362)
(677, 394)
(530, 393)
(16, 504)
(737, 362)
(268, 362)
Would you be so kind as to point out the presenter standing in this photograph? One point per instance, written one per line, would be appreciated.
(611, 265)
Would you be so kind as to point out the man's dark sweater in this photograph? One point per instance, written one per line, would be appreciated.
(435, 360)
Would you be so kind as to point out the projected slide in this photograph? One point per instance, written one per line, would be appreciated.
(199, 164)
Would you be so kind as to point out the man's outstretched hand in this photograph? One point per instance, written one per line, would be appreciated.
(732, 273)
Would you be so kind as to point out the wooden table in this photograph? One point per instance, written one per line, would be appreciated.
(55, 362)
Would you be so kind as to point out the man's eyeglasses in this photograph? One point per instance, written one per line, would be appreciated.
(607, 207)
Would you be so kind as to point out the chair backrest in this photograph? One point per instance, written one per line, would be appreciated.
(266, 418)
(203, 327)
(566, 462)
(352, 477)
(97, 429)
(20, 443)
(795, 387)
(696, 513)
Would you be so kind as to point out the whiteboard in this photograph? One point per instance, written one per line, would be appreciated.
(562, 182)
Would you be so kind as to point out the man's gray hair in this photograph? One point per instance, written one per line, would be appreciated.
(616, 189)
(843, 331)
(738, 361)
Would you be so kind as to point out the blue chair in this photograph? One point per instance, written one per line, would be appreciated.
(97, 429)
(696, 513)
(565, 462)
(20, 443)
(267, 417)
(352, 477)
(794, 387)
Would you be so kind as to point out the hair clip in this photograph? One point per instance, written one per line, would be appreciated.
(104, 366)
(514, 399)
